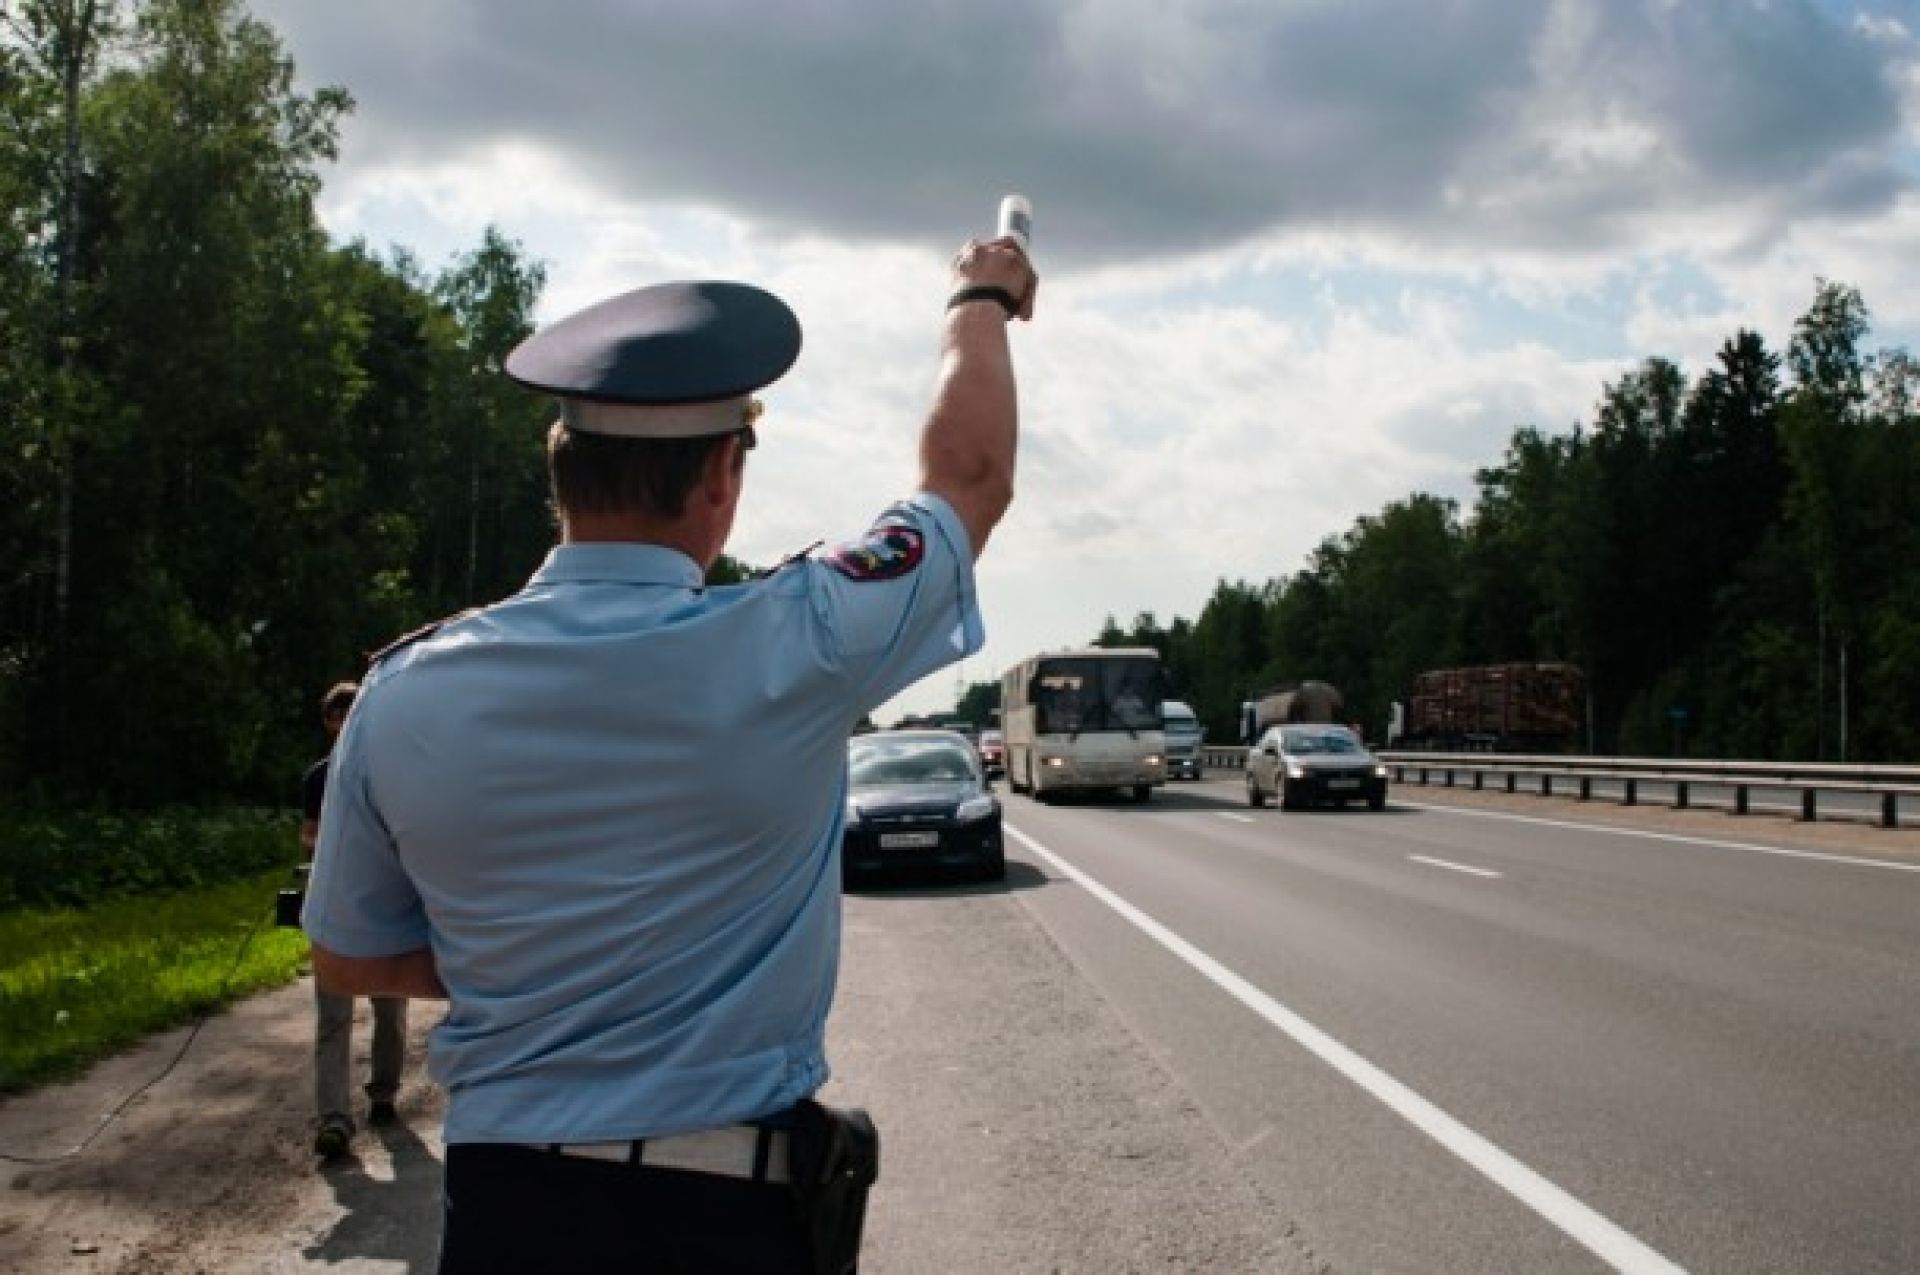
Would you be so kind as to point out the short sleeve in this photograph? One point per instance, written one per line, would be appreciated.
(360, 902)
(898, 603)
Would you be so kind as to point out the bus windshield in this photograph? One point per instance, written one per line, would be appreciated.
(1080, 694)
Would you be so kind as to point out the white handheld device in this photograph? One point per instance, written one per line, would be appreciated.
(1016, 221)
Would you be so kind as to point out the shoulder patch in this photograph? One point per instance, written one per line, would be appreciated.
(890, 550)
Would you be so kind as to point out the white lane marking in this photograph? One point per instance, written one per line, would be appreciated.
(1236, 818)
(1455, 867)
(1782, 851)
(1604, 1238)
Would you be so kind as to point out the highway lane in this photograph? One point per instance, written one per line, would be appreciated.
(1706, 1051)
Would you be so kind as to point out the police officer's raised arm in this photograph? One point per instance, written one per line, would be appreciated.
(967, 445)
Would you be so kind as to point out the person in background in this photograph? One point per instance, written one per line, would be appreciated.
(333, 1015)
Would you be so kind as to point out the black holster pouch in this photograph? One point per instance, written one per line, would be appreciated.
(834, 1160)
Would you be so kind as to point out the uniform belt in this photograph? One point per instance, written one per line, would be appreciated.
(734, 1151)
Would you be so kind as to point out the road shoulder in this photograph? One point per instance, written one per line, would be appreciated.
(1025, 1128)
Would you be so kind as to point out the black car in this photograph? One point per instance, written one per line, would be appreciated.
(918, 799)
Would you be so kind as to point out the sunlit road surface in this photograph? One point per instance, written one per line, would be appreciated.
(1448, 1040)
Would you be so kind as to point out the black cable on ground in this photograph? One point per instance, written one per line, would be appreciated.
(199, 1021)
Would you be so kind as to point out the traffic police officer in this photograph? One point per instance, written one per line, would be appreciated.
(602, 818)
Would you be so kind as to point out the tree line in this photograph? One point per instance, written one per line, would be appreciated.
(1731, 559)
(236, 456)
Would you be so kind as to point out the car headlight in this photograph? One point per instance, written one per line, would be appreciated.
(1296, 772)
(1153, 759)
(974, 808)
(1379, 772)
(1056, 762)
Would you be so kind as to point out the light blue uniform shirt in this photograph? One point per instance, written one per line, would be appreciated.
(612, 806)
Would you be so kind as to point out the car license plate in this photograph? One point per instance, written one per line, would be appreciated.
(908, 840)
(1343, 783)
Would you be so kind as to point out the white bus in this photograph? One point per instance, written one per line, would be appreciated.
(1085, 719)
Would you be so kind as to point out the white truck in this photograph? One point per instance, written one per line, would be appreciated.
(1184, 737)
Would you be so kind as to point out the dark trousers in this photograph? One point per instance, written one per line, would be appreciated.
(518, 1211)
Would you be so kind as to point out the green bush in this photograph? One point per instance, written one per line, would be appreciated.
(76, 985)
(76, 859)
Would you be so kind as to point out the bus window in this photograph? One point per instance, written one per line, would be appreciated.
(1061, 702)
(1075, 695)
(1134, 689)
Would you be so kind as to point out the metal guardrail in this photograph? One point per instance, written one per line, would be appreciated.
(1557, 776)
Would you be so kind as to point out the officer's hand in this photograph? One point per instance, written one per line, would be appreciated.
(997, 263)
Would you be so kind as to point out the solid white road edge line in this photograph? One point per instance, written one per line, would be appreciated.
(1221, 814)
(1455, 867)
(1782, 851)
(1606, 1240)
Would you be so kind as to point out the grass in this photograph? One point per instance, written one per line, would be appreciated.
(79, 984)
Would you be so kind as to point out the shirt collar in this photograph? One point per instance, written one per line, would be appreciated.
(623, 562)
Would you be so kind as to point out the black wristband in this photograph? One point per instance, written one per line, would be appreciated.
(987, 292)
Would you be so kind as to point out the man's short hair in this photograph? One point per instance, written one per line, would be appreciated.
(338, 699)
(608, 474)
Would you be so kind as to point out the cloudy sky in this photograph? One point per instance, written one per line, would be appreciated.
(1302, 257)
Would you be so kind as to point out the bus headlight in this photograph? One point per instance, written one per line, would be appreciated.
(1296, 771)
(1055, 762)
(1152, 759)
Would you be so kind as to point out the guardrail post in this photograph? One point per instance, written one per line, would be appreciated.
(1449, 776)
(1512, 780)
(1807, 805)
(1739, 799)
(1889, 812)
(1680, 795)
(1631, 797)
(1546, 784)
(1479, 780)
(1586, 787)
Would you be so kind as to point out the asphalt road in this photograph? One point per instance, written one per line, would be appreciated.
(1481, 1040)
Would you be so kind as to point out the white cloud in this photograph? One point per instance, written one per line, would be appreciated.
(1150, 129)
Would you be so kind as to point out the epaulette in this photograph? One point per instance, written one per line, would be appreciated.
(420, 634)
(800, 555)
